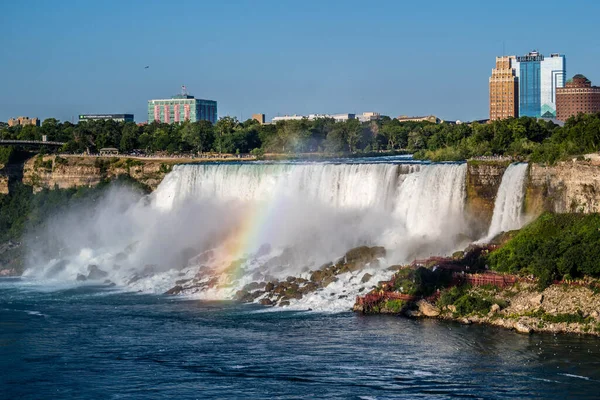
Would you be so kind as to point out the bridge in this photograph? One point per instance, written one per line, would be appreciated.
(30, 143)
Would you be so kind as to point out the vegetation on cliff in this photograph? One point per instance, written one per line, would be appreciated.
(555, 246)
(525, 138)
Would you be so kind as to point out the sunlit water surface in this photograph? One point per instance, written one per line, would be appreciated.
(98, 343)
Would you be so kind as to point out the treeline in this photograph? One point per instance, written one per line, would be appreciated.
(228, 135)
(520, 138)
(523, 138)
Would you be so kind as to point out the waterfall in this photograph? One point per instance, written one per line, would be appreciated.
(508, 208)
(343, 186)
(423, 202)
(430, 199)
(246, 222)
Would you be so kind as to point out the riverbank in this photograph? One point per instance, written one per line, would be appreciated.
(506, 302)
(561, 308)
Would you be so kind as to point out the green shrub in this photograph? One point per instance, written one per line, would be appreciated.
(394, 306)
(553, 246)
(470, 303)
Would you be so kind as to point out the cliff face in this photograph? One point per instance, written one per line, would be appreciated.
(572, 186)
(69, 172)
(483, 181)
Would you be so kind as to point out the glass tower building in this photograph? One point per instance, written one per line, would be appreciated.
(538, 78)
(180, 108)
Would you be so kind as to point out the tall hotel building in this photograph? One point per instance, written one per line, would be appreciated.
(504, 101)
(539, 77)
(537, 80)
(182, 107)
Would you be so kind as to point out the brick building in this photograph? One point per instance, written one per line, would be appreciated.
(504, 94)
(578, 96)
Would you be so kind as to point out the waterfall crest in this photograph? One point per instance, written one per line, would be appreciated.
(508, 207)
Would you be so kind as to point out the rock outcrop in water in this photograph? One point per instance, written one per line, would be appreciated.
(283, 292)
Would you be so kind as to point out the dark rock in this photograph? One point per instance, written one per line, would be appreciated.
(252, 286)
(266, 302)
(120, 257)
(366, 278)
(95, 273)
(81, 278)
(284, 303)
(182, 281)
(174, 290)
(269, 286)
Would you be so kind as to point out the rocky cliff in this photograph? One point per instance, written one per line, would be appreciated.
(483, 181)
(572, 186)
(67, 172)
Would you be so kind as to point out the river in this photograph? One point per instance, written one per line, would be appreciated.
(97, 342)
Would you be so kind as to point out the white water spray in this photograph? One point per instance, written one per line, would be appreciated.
(508, 207)
(316, 211)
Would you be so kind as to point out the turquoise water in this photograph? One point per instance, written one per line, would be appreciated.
(98, 343)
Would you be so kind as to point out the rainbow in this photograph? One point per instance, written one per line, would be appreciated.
(248, 235)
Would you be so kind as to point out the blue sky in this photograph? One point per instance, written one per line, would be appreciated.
(63, 58)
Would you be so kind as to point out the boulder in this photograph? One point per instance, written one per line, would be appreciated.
(451, 308)
(266, 302)
(428, 309)
(174, 290)
(537, 300)
(495, 308)
(522, 328)
(366, 278)
(94, 272)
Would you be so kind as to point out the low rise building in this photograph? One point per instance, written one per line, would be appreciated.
(22, 121)
(368, 116)
(578, 96)
(106, 117)
(429, 118)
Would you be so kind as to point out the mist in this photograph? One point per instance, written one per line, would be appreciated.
(273, 220)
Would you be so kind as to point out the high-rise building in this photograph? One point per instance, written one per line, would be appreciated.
(21, 121)
(539, 77)
(504, 100)
(105, 117)
(578, 96)
(180, 108)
